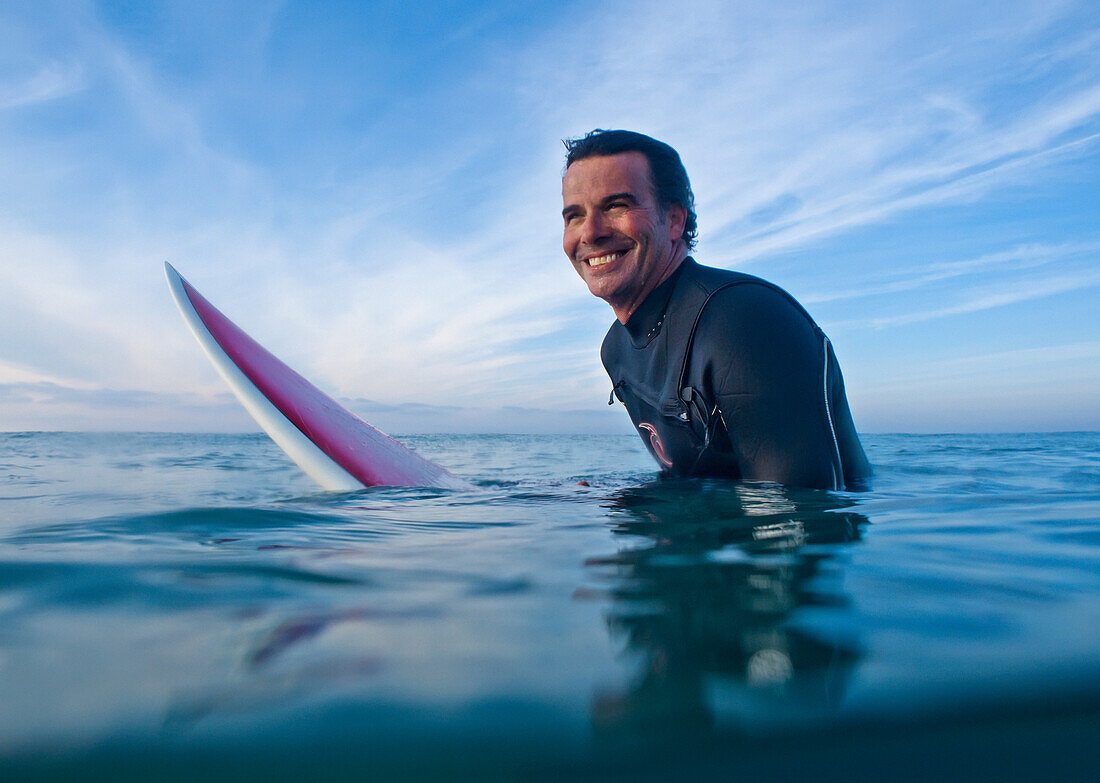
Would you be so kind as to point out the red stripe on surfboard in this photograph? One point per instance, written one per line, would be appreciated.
(368, 454)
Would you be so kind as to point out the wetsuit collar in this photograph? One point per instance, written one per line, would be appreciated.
(645, 323)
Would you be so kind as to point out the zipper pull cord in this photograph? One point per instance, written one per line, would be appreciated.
(611, 397)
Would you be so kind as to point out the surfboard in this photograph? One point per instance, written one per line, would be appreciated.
(331, 444)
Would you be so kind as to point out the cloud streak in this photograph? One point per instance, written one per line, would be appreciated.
(1019, 258)
(993, 296)
(54, 80)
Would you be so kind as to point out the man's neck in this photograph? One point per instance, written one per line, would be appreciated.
(624, 312)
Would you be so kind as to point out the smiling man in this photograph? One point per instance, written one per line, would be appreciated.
(722, 373)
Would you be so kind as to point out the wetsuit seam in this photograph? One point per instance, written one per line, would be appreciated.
(689, 348)
(838, 481)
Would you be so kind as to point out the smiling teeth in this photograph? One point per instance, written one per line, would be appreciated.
(601, 260)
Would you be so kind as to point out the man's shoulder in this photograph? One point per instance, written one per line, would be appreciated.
(754, 333)
(740, 300)
(709, 278)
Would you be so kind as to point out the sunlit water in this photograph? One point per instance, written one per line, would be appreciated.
(181, 605)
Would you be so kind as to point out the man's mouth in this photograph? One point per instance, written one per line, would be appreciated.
(607, 259)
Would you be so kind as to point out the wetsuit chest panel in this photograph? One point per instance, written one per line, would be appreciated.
(671, 439)
(647, 381)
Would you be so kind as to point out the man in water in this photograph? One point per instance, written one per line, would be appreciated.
(723, 374)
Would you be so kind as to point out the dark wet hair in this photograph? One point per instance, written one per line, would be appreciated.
(670, 180)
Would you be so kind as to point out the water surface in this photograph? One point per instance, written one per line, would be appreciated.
(176, 605)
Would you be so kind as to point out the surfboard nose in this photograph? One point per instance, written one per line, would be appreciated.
(171, 273)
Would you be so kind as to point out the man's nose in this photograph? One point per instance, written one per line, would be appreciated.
(595, 228)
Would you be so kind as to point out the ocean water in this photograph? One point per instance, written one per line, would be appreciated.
(185, 606)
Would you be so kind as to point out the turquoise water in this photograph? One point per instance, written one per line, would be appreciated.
(183, 605)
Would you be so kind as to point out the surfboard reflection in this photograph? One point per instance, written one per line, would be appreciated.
(704, 591)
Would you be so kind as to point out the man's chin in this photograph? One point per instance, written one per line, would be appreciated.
(606, 285)
(602, 291)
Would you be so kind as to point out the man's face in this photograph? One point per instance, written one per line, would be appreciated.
(619, 239)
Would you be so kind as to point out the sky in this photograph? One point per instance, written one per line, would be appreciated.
(373, 191)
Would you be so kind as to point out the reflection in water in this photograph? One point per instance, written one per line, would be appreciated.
(704, 592)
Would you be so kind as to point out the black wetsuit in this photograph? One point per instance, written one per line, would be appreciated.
(724, 374)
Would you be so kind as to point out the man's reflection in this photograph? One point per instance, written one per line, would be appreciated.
(705, 589)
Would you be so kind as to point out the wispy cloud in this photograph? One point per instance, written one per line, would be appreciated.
(51, 81)
(988, 297)
(1019, 362)
(1014, 260)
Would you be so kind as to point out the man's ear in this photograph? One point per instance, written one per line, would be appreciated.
(677, 219)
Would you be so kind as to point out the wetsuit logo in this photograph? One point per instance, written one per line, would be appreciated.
(655, 444)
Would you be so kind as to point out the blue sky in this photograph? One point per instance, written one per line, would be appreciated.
(372, 190)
